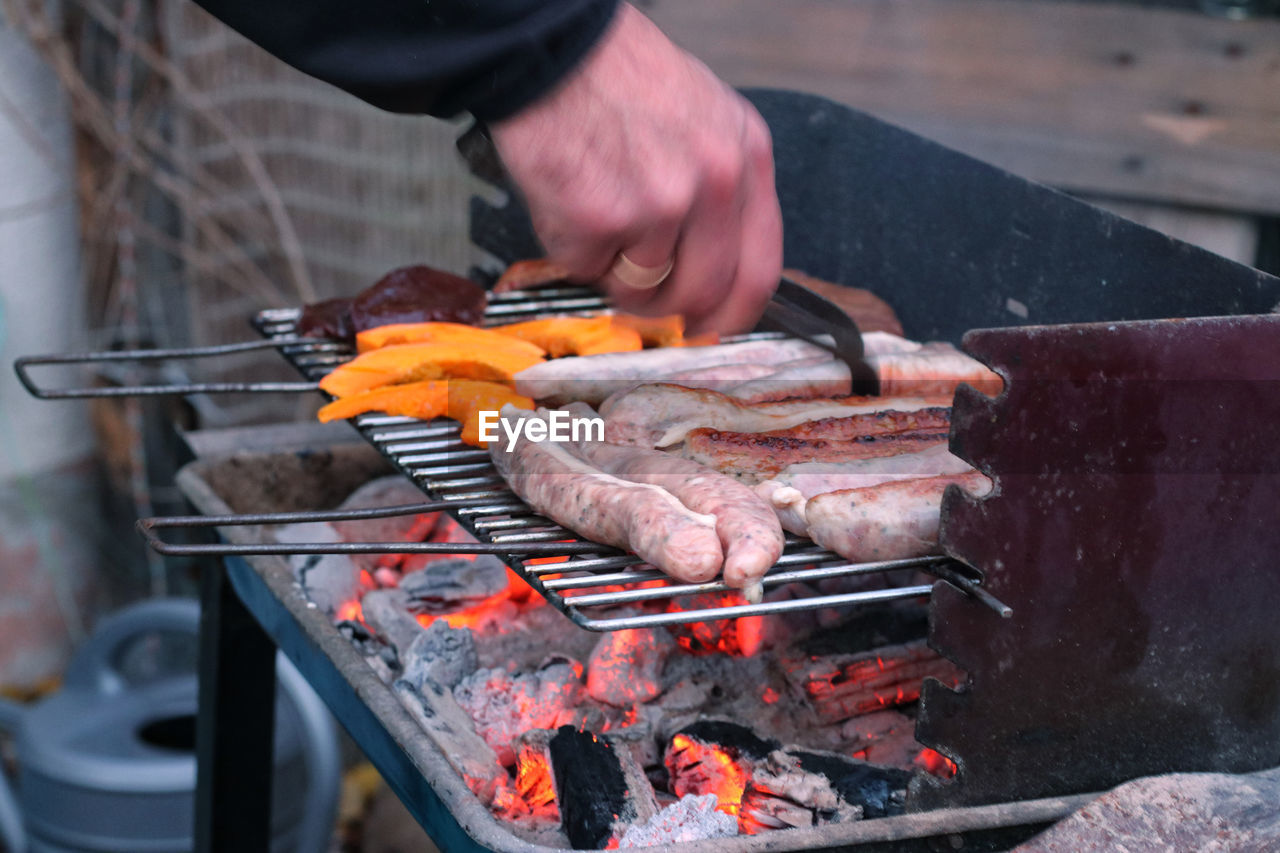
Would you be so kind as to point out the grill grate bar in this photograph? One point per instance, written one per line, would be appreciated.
(432, 455)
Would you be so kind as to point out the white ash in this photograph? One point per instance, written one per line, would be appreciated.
(885, 737)
(523, 641)
(781, 794)
(625, 667)
(438, 714)
(504, 706)
(386, 612)
(442, 586)
(329, 580)
(442, 654)
(691, 818)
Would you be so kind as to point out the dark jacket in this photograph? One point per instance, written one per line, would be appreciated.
(440, 57)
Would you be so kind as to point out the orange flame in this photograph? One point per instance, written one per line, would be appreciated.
(721, 774)
(350, 611)
(534, 782)
(936, 763)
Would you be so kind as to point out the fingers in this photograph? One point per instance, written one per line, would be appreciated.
(759, 263)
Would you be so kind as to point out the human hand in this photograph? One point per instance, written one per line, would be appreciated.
(643, 152)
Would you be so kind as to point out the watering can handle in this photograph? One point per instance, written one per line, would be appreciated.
(93, 666)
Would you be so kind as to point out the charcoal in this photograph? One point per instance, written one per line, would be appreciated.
(730, 735)
(1179, 811)
(841, 686)
(442, 654)
(625, 667)
(600, 789)
(386, 612)
(361, 637)
(797, 787)
(329, 580)
(502, 705)
(435, 710)
(444, 585)
(714, 757)
(691, 818)
(878, 790)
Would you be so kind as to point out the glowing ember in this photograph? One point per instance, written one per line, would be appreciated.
(741, 637)
(707, 769)
(769, 696)
(350, 612)
(936, 763)
(536, 785)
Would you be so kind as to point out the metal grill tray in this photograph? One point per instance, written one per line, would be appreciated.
(593, 588)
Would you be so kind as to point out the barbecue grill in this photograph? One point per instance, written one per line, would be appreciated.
(1136, 418)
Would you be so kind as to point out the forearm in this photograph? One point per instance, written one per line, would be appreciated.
(441, 57)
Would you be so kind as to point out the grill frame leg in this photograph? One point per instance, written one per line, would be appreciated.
(235, 722)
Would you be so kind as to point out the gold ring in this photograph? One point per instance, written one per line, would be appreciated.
(641, 278)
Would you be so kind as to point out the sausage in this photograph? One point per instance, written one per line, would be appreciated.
(890, 521)
(641, 518)
(749, 531)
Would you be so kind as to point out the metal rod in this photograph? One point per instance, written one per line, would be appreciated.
(679, 617)
(973, 588)
(22, 366)
(846, 569)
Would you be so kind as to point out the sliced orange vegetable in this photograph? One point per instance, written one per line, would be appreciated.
(467, 399)
(401, 363)
(424, 400)
(571, 335)
(665, 331)
(460, 399)
(412, 333)
(616, 339)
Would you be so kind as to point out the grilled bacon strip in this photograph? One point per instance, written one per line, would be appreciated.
(661, 415)
(883, 422)
(748, 529)
(753, 457)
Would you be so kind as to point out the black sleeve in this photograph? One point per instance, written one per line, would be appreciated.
(440, 57)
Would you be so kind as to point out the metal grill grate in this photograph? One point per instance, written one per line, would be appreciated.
(604, 589)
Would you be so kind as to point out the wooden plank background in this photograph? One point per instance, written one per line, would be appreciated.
(1117, 100)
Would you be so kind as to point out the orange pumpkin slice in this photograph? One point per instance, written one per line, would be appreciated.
(401, 363)
(575, 335)
(413, 333)
(616, 339)
(665, 331)
(467, 399)
(460, 399)
(424, 400)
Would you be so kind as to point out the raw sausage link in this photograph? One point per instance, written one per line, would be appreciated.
(748, 529)
(886, 522)
(641, 518)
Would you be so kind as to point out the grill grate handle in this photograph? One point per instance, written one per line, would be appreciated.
(22, 367)
(148, 527)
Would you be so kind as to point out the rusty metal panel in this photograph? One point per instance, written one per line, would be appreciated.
(1135, 531)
